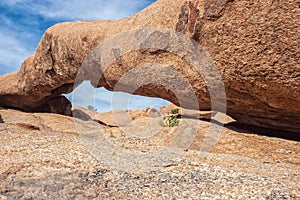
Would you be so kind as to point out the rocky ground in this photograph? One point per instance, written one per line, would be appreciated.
(48, 156)
(247, 48)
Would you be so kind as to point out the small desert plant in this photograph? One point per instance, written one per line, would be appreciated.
(92, 108)
(171, 119)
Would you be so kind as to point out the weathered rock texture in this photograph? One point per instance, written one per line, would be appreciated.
(254, 44)
(45, 156)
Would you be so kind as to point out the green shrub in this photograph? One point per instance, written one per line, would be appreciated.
(92, 108)
(171, 119)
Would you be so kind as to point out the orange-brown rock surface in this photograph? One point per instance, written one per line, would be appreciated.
(50, 156)
(254, 45)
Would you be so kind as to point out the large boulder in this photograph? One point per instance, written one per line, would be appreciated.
(116, 118)
(152, 112)
(254, 45)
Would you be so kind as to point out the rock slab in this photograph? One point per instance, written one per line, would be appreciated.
(44, 156)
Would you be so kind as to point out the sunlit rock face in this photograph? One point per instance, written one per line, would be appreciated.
(253, 44)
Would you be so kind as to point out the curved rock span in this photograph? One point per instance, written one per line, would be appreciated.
(253, 44)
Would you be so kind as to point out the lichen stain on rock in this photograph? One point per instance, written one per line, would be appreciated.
(189, 21)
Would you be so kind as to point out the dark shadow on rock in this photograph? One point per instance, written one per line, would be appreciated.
(29, 127)
(102, 123)
(1, 120)
(251, 129)
(81, 115)
(57, 104)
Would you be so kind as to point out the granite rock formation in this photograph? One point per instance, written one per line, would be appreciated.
(254, 45)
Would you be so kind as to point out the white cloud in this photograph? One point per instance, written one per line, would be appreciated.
(16, 43)
(13, 51)
(89, 9)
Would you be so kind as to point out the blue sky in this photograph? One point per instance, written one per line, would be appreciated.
(23, 22)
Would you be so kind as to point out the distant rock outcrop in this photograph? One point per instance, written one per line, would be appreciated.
(80, 114)
(152, 112)
(254, 45)
(116, 118)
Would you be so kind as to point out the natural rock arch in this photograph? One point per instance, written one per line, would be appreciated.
(260, 71)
